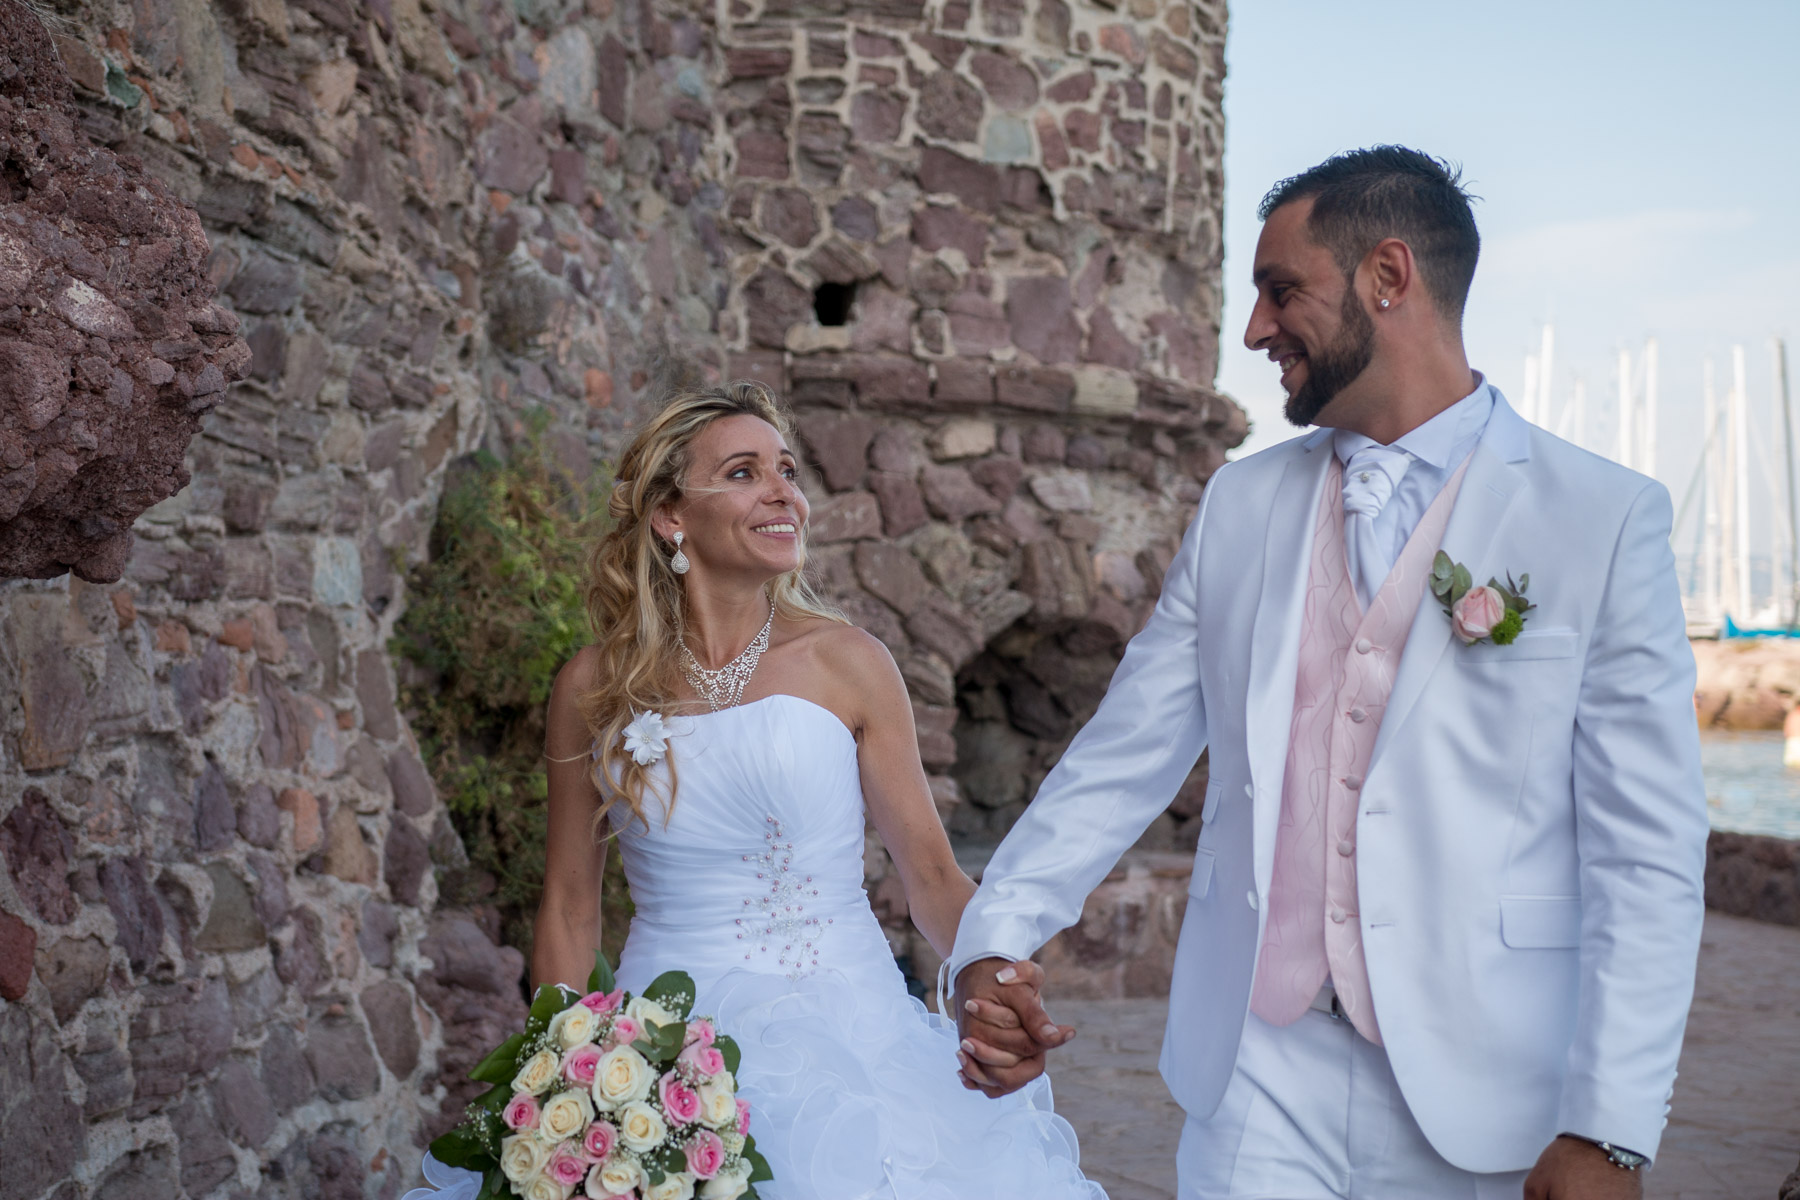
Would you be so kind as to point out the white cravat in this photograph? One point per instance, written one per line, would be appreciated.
(1370, 478)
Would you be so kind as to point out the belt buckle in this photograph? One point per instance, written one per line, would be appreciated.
(1326, 1002)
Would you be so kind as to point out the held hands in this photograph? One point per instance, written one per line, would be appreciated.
(1004, 1029)
(1571, 1169)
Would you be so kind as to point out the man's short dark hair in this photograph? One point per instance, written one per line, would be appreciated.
(1363, 196)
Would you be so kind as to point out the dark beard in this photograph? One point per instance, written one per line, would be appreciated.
(1336, 366)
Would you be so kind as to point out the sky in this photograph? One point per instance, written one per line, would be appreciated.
(1638, 173)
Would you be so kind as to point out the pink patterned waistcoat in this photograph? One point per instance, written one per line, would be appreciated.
(1346, 670)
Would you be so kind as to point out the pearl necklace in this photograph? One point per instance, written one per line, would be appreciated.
(724, 687)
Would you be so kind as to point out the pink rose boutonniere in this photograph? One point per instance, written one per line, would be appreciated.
(1494, 612)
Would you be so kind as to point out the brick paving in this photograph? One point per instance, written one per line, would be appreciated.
(1734, 1133)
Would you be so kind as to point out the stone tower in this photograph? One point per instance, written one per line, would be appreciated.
(977, 246)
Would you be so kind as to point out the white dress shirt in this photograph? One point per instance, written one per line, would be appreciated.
(1434, 450)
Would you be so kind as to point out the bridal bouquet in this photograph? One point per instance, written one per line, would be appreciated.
(611, 1096)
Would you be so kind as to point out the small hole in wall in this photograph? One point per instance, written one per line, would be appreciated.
(831, 301)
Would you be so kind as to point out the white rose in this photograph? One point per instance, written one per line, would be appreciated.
(565, 1116)
(644, 1009)
(734, 1141)
(545, 1188)
(730, 1183)
(641, 1127)
(538, 1073)
(718, 1101)
(521, 1156)
(573, 1026)
(623, 1076)
(679, 1186)
(718, 1107)
(617, 1176)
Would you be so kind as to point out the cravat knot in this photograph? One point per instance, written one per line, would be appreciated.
(1370, 478)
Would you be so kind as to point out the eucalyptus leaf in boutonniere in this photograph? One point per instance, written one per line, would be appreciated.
(1494, 612)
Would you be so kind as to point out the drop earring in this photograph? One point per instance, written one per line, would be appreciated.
(679, 563)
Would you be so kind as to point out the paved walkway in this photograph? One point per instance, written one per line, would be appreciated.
(1734, 1133)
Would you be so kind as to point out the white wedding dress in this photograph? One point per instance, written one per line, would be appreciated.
(754, 887)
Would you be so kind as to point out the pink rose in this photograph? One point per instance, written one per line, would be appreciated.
(680, 1101)
(625, 1031)
(705, 1154)
(521, 1112)
(1476, 614)
(598, 1142)
(700, 1030)
(579, 1064)
(703, 1058)
(603, 1002)
(567, 1165)
(743, 1115)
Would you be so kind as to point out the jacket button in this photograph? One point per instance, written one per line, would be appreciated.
(1364, 645)
(1250, 790)
(1251, 897)
(1346, 847)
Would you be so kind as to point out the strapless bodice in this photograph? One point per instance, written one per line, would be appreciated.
(760, 857)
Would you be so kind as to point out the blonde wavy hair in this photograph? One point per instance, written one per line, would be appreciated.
(635, 600)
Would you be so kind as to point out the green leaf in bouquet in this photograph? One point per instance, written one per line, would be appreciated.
(600, 979)
(500, 1066)
(674, 990)
(493, 1186)
(494, 1099)
(759, 1166)
(550, 1000)
(463, 1147)
(661, 1043)
(729, 1050)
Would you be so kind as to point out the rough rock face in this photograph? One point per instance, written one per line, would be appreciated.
(975, 244)
(110, 345)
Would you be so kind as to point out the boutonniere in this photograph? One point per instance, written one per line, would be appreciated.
(646, 738)
(1494, 612)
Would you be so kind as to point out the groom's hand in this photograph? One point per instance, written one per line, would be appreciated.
(1571, 1169)
(1003, 1026)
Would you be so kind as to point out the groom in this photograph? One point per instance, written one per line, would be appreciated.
(1446, 903)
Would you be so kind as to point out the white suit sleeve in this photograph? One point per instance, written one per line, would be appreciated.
(1640, 828)
(1116, 777)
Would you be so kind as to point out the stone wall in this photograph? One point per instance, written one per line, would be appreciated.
(977, 246)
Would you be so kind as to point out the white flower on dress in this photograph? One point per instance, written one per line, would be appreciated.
(646, 738)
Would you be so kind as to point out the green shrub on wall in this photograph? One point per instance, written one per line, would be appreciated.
(493, 614)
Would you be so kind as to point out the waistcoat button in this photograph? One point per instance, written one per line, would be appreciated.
(1353, 782)
(1346, 847)
(1337, 916)
(1364, 645)
(1358, 715)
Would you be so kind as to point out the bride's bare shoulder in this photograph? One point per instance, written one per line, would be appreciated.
(578, 676)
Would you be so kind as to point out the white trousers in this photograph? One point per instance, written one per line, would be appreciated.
(1313, 1113)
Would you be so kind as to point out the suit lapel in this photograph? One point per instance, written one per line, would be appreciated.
(1275, 634)
(1493, 480)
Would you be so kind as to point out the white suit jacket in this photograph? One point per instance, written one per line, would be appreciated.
(1531, 832)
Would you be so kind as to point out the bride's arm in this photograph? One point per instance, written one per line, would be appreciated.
(898, 798)
(567, 930)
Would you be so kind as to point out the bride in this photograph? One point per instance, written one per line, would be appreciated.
(729, 732)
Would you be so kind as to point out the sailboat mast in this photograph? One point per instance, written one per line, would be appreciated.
(1787, 442)
(1546, 372)
(1649, 464)
(1740, 481)
(1711, 452)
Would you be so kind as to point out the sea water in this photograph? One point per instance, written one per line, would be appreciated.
(1747, 788)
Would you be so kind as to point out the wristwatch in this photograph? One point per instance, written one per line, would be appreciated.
(1618, 1156)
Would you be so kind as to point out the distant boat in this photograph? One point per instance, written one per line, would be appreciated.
(1730, 629)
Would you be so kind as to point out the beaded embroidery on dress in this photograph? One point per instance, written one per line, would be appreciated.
(754, 885)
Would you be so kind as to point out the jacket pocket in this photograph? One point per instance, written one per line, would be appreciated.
(1540, 922)
(1201, 881)
(1530, 644)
